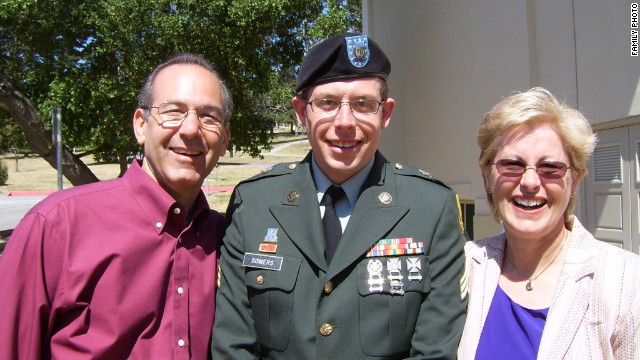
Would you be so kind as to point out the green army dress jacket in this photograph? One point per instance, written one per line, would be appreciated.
(279, 299)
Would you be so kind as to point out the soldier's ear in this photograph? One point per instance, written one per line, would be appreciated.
(300, 107)
(387, 111)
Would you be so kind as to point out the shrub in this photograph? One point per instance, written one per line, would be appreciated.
(4, 173)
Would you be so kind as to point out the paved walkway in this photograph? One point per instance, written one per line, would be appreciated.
(13, 208)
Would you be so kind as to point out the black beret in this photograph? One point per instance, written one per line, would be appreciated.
(342, 56)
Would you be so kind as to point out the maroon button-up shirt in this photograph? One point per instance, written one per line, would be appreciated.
(110, 271)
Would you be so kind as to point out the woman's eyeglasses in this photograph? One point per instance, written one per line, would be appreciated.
(545, 169)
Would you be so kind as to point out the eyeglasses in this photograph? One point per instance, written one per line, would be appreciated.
(172, 115)
(545, 169)
(332, 106)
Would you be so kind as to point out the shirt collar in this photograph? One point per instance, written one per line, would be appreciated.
(351, 187)
(159, 206)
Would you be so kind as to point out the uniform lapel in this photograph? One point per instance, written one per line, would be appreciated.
(370, 220)
(299, 214)
(571, 303)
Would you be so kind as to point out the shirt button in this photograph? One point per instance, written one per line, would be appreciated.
(260, 280)
(180, 342)
(158, 224)
(180, 290)
(176, 211)
(326, 329)
(328, 287)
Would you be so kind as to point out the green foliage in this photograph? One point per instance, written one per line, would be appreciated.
(338, 16)
(11, 136)
(90, 58)
(4, 173)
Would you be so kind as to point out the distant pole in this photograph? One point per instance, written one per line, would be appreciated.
(15, 151)
(57, 139)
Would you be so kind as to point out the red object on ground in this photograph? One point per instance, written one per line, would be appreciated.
(30, 192)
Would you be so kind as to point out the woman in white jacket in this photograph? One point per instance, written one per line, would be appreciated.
(545, 288)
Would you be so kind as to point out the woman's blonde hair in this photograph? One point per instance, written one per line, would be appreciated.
(537, 105)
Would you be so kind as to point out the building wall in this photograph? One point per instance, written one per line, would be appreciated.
(452, 60)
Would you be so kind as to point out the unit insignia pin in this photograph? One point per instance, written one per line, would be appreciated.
(399, 166)
(292, 166)
(272, 235)
(293, 196)
(385, 198)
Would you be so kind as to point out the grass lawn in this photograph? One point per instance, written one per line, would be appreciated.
(33, 173)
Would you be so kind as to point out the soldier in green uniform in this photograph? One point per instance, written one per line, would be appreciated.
(392, 287)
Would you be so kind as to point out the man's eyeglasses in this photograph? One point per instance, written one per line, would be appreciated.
(545, 169)
(172, 115)
(332, 106)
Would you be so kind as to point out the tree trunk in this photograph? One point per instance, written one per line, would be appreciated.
(26, 115)
(124, 164)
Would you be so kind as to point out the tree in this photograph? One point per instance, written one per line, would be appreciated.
(90, 58)
(338, 16)
(12, 138)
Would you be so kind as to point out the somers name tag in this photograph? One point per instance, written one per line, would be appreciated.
(260, 261)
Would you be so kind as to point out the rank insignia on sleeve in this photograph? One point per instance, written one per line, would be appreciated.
(396, 247)
(464, 284)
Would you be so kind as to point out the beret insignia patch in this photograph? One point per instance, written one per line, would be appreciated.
(358, 50)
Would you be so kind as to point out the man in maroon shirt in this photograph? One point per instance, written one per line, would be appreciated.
(126, 268)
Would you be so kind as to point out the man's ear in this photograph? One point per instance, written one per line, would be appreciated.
(226, 135)
(300, 107)
(387, 111)
(139, 124)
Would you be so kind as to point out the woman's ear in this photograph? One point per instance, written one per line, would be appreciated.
(486, 175)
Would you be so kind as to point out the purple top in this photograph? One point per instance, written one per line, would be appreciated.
(511, 331)
(110, 270)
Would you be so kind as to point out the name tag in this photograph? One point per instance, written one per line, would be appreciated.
(260, 261)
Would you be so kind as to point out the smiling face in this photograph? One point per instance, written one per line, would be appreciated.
(531, 206)
(179, 158)
(343, 144)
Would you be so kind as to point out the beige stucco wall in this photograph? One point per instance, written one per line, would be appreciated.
(452, 60)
